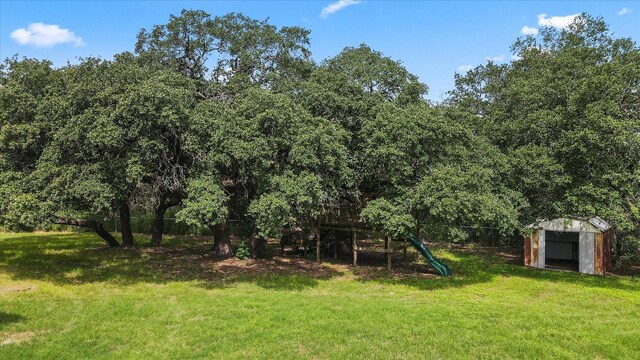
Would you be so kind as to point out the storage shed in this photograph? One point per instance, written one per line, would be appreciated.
(569, 244)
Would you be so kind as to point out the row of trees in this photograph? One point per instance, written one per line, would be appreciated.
(229, 118)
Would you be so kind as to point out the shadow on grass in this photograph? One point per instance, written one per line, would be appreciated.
(7, 318)
(472, 268)
(282, 282)
(467, 270)
(81, 258)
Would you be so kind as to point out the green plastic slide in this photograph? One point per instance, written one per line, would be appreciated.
(424, 250)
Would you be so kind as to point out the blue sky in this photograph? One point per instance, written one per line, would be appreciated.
(433, 39)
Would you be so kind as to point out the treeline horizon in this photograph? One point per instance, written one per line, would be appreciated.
(269, 136)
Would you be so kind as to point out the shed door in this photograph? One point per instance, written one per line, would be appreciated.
(534, 260)
(586, 263)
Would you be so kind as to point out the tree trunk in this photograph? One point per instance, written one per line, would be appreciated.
(318, 244)
(105, 235)
(258, 246)
(157, 227)
(221, 241)
(91, 224)
(125, 223)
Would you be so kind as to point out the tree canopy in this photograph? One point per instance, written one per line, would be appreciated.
(566, 114)
(229, 118)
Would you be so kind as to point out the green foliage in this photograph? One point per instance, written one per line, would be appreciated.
(371, 72)
(453, 195)
(206, 203)
(566, 113)
(269, 137)
(23, 212)
(105, 131)
(243, 251)
(435, 170)
(248, 52)
(391, 218)
(183, 43)
(278, 163)
(272, 213)
(288, 200)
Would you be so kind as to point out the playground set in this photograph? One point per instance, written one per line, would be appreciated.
(338, 226)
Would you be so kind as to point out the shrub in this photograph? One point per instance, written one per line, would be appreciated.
(243, 251)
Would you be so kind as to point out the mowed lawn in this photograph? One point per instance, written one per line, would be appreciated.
(65, 295)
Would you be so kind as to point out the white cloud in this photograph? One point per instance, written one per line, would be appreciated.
(526, 30)
(44, 35)
(464, 68)
(558, 22)
(337, 6)
(625, 11)
(498, 58)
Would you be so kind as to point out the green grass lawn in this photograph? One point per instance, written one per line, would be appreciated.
(67, 296)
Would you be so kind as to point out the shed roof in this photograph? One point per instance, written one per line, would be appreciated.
(594, 225)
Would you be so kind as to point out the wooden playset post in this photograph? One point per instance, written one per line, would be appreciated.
(354, 240)
(305, 245)
(318, 240)
(387, 250)
(404, 254)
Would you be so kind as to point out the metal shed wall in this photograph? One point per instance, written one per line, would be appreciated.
(603, 252)
(586, 260)
(542, 249)
(531, 249)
